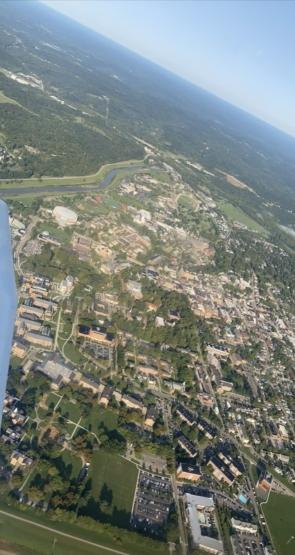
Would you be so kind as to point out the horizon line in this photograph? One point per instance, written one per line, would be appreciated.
(173, 73)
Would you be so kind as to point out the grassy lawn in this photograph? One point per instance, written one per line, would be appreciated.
(113, 481)
(73, 353)
(282, 479)
(32, 540)
(42, 412)
(235, 214)
(67, 428)
(99, 418)
(52, 399)
(62, 235)
(160, 175)
(94, 208)
(9, 548)
(253, 473)
(69, 464)
(279, 513)
(70, 410)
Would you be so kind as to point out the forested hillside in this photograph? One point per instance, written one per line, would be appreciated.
(72, 100)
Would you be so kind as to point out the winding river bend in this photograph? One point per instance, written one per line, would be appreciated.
(68, 188)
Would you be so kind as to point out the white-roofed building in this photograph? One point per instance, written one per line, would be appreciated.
(64, 216)
(244, 527)
(60, 374)
(200, 514)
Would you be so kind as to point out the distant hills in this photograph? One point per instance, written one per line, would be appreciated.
(71, 100)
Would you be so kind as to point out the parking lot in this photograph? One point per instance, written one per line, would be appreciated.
(245, 544)
(153, 499)
(154, 463)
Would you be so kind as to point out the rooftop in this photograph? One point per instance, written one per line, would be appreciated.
(196, 504)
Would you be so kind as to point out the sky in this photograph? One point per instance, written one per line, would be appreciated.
(242, 51)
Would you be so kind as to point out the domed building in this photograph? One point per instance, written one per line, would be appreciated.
(64, 216)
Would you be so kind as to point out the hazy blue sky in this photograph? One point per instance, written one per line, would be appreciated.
(241, 51)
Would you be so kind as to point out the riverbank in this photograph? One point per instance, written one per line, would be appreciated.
(67, 188)
(68, 180)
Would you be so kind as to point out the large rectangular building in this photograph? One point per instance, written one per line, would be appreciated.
(97, 334)
(189, 472)
(200, 514)
(39, 339)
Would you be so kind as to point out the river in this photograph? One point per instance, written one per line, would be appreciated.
(68, 188)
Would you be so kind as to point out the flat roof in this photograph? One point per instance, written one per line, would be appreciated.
(54, 369)
(199, 500)
(240, 523)
(195, 502)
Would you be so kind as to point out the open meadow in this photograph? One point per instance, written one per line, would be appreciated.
(279, 513)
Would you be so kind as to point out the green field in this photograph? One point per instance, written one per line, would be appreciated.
(70, 410)
(62, 235)
(100, 418)
(69, 464)
(113, 481)
(52, 399)
(30, 539)
(279, 512)
(72, 353)
(235, 214)
(40, 541)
